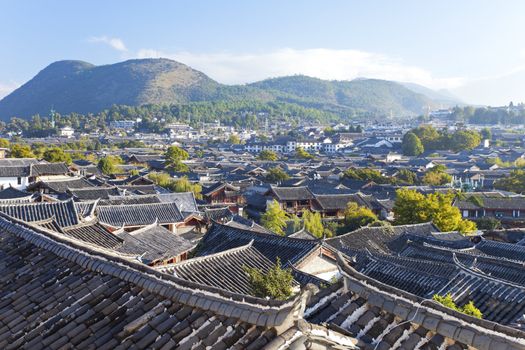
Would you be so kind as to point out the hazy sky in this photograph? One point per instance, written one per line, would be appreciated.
(476, 48)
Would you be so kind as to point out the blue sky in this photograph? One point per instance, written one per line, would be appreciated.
(474, 48)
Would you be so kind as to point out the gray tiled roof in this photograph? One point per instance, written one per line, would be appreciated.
(139, 215)
(289, 250)
(64, 297)
(292, 193)
(153, 243)
(64, 213)
(41, 169)
(223, 270)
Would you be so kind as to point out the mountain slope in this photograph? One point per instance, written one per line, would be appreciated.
(76, 86)
(363, 95)
(441, 96)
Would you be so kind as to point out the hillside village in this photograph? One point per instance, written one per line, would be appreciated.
(157, 246)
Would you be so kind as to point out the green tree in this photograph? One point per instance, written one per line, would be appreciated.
(176, 185)
(486, 134)
(276, 174)
(357, 216)
(274, 219)
(428, 135)
(412, 145)
(302, 154)
(515, 182)
(488, 223)
(21, 151)
(234, 139)
(276, 283)
(366, 174)
(406, 176)
(109, 164)
(174, 157)
(412, 207)
(465, 140)
(56, 155)
(436, 178)
(268, 155)
(184, 185)
(4, 143)
(313, 223)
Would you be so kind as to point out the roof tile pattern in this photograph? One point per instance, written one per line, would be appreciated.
(289, 250)
(49, 302)
(139, 215)
(64, 213)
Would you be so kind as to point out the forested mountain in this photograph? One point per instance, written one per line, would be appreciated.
(76, 86)
(443, 97)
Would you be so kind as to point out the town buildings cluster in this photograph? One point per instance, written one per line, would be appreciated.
(91, 260)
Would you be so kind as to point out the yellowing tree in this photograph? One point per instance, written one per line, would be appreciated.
(268, 155)
(313, 223)
(412, 207)
(301, 153)
(21, 151)
(357, 216)
(274, 219)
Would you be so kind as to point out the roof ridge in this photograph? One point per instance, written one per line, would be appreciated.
(67, 201)
(364, 285)
(258, 311)
(93, 188)
(273, 235)
(138, 204)
(247, 246)
(468, 270)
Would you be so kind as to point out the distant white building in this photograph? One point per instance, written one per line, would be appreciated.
(67, 131)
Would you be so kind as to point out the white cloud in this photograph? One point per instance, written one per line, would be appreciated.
(235, 68)
(7, 88)
(114, 43)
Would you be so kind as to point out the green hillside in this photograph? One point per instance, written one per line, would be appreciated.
(76, 86)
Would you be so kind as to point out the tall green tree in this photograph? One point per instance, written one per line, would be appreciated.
(276, 174)
(56, 155)
(234, 139)
(274, 219)
(268, 155)
(174, 156)
(465, 140)
(486, 134)
(313, 223)
(357, 216)
(302, 154)
(437, 176)
(21, 151)
(109, 164)
(515, 182)
(412, 145)
(406, 176)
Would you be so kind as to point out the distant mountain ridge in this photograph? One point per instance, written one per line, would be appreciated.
(77, 86)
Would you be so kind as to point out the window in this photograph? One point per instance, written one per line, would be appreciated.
(19, 180)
